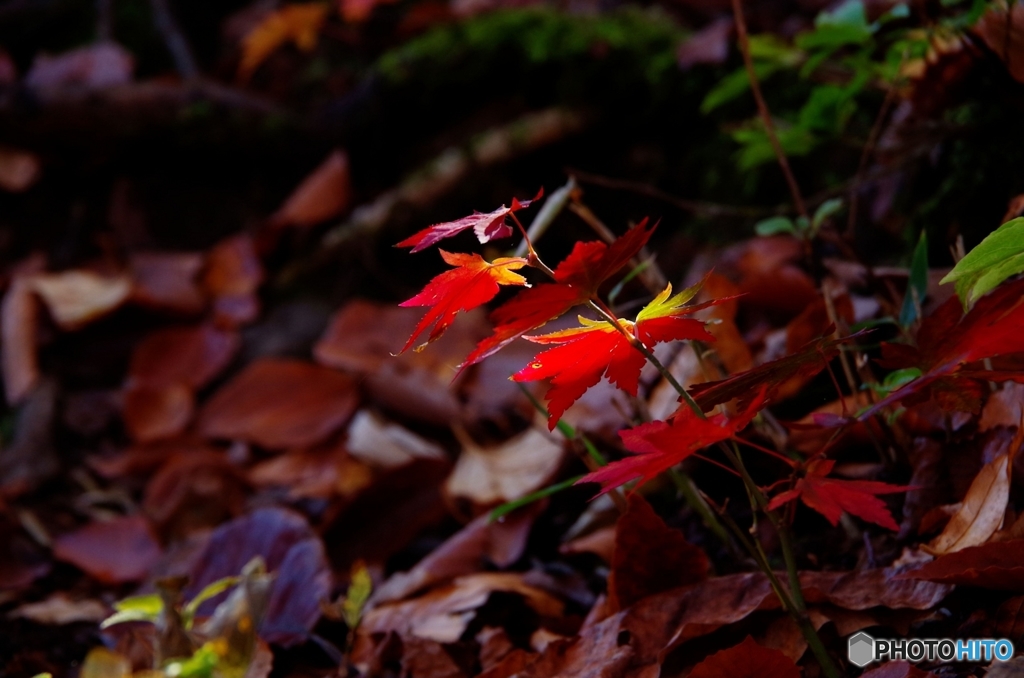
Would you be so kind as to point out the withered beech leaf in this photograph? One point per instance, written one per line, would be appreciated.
(746, 660)
(76, 298)
(650, 556)
(280, 403)
(157, 413)
(982, 510)
(291, 551)
(112, 551)
(167, 281)
(995, 565)
(187, 355)
(19, 315)
(513, 469)
(324, 194)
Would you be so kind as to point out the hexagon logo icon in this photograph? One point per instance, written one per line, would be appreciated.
(861, 649)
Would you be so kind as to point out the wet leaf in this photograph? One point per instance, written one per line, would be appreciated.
(748, 659)
(113, 551)
(157, 413)
(280, 403)
(182, 355)
(167, 282)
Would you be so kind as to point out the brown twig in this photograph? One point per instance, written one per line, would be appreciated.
(762, 108)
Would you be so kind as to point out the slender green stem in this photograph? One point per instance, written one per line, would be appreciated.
(696, 501)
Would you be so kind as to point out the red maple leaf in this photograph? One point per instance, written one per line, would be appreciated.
(577, 279)
(597, 348)
(489, 226)
(473, 282)
(660, 445)
(948, 341)
(831, 496)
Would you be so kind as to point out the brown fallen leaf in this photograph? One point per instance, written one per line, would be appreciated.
(290, 549)
(19, 315)
(113, 551)
(196, 487)
(19, 169)
(278, 403)
(61, 609)
(167, 281)
(650, 557)
(31, 456)
(600, 542)
(500, 542)
(445, 612)
(324, 194)
(22, 560)
(425, 658)
(513, 469)
(322, 472)
(983, 509)
(154, 413)
(995, 565)
(233, 275)
(746, 660)
(298, 23)
(384, 444)
(362, 338)
(182, 355)
(1003, 408)
(76, 298)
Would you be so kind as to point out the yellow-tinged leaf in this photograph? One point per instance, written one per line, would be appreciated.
(982, 510)
(358, 593)
(102, 663)
(299, 24)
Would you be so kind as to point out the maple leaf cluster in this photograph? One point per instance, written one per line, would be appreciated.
(617, 349)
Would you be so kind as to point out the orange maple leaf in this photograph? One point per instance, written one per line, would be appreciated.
(831, 496)
(299, 23)
(598, 348)
(473, 282)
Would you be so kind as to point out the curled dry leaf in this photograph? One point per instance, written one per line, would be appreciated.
(113, 551)
(982, 510)
(322, 472)
(233, 274)
(76, 298)
(384, 444)
(19, 316)
(995, 565)
(278, 403)
(291, 551)
(508, 471)
(746, 660)
(444, 613)
(325, 193)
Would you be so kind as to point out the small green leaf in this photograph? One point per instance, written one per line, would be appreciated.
(735, 84)
(209, 591)
(917, 286)
(825, 210)
(358, 593)
(996, 258)
(137, 608)
(896, 380)
(774, 226)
